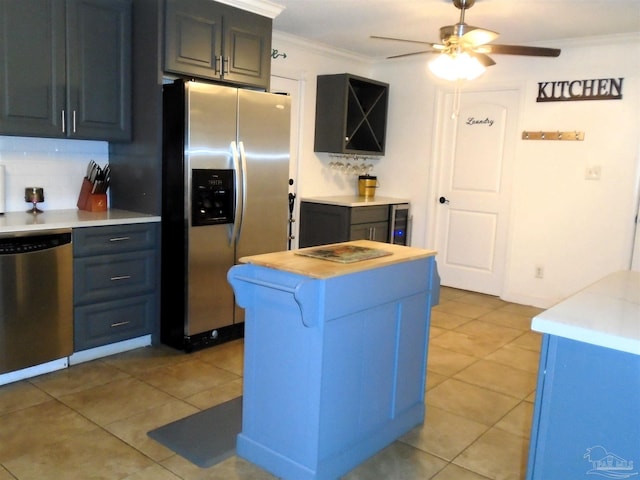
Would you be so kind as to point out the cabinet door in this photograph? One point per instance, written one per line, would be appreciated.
(99, 69)
(247, 48)
(378, 232)
(32, 67)
(193, 38)
(321, 224)
(210, 40)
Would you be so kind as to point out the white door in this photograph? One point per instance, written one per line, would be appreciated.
(291, 87)
(473, 189)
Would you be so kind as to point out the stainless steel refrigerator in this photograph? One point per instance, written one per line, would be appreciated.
(225, 196)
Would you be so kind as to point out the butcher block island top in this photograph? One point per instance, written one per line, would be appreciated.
(344, 258)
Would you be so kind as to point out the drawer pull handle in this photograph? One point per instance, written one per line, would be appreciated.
(119, 324)
(119, 239)
(120, 277)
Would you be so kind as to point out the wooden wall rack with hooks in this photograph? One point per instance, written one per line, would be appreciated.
(574, 135)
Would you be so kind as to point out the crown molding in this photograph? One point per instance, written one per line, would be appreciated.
(594, 41)
(320, 48)
(260, 7)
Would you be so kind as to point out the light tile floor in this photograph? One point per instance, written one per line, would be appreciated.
(91, 420)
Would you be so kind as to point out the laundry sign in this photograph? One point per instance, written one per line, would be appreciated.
(479, 140)
(480, 121)
(578, 90)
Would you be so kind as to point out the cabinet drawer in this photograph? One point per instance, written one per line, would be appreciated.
(378, 213)
(114, 239)
(107, 277)
(110, 322)
(378, 232)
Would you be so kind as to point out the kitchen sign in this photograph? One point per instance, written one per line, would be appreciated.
(578, 90)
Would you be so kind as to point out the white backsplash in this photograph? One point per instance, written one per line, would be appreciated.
(56, 165)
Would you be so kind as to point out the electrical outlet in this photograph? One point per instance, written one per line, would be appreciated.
(539, 271)
(593, 173)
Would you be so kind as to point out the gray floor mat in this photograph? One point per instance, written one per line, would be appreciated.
(204, 438)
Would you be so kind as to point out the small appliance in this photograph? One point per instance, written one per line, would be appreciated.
(399, 224)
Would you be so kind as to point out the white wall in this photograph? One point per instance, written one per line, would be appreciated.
(56, 165)
(304, 62)
(578, 229)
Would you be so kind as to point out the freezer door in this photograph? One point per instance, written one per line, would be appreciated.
(210, 130)
(263, 140)
(211, 125)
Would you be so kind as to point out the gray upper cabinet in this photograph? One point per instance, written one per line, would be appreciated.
(66, 69)
(351, 115)
(99, 69)
(209, 40)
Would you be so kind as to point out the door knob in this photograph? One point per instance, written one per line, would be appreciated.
(443, 200)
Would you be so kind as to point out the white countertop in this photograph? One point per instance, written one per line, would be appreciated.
(605, 314)
(355, 200)
(23, 222)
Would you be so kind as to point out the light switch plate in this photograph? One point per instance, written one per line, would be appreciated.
(593, 173)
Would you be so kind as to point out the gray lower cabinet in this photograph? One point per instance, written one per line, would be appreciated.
(210, 40)
(65, 68)
(115, 273)
(321, 223)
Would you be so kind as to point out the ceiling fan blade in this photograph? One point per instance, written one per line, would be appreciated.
(411, 54)
(478, 36)
(485, 60)
(519, 50)
(402, 40)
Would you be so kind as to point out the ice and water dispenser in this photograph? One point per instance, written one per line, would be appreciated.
(212, 201)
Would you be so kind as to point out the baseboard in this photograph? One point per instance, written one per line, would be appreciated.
(34, 371)
(111, 349)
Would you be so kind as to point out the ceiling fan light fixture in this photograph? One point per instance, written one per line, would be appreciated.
(459, 66)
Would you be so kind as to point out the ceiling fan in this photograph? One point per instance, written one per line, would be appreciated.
(471, 43)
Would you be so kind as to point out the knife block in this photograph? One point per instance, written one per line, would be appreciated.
(91, 202)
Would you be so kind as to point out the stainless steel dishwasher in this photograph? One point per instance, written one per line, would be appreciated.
(36, 298)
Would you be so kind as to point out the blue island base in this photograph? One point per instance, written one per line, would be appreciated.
(336, 465)
(334, 368)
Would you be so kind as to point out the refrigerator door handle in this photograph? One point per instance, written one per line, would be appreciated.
(243, 166)
(238, 197)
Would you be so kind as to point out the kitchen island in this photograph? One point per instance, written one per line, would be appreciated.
(335, 356)
(587, 408)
